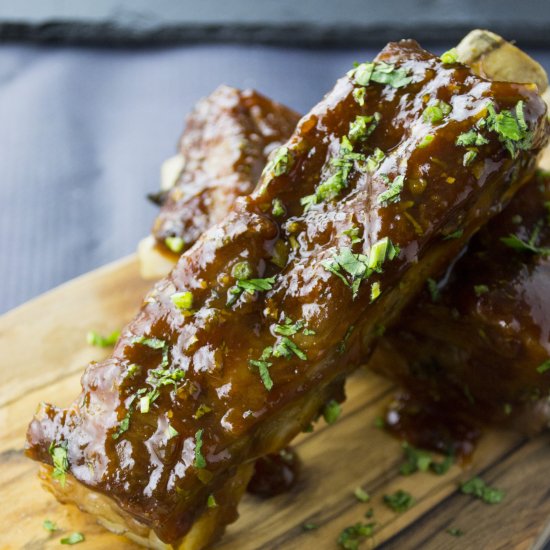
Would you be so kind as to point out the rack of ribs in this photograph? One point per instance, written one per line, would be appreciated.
(256, 328)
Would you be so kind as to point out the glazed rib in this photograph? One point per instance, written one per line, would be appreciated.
(321, 231)
(222, 152)
(479, 348)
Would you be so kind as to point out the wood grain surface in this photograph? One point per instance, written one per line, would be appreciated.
(43, 356)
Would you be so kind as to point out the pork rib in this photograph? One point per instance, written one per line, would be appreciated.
(255, 329)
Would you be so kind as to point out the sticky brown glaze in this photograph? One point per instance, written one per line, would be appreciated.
(154, 478)
(471, 357)
(227, 139)
(275, 473)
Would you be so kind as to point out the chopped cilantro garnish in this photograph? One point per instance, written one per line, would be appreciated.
(363, 126)
(353, 234)
(374, 160)
(279, 163)
(472, 138)
(49, 525)
(288, 328)
(359, 96)
(449, 57)
(124, 424)
(400, 501)
(477, 488)
(95, 339)
(175, 244)
(263, 368)
(513, 241)
(60, 461)
(433, 288)
(201, 411)
(361, 495)
(211, 502)
(469, 157)
(182, 300)
(544, 367)
(425, 141)
(393, 194)
(278, 208)
(153, 343)
(331, 411)
(480, 290)
(285, 347)
(200, 461)
(381, 73)
(351, 537)
(436, 112)
(419, 460)
(381, 251)
(379, 422)
(375, 291)
(171, 432)
(73, 538)
(455, 531)
(511, 128)
(309, 526)
(242, 270)
(454, 235)
(250, 286)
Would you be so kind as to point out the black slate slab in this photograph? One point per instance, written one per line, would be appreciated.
(312, 22)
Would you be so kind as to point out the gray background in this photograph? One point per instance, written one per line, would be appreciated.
(83, 132)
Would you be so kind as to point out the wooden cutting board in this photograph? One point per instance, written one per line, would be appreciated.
(43, 356)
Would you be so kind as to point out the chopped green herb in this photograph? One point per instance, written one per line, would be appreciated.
(256, 285)
(211, 502)
(95, 339)
(400, 501)
(511, 128)
(513, 241)
(353, 234)
(455, 531)
(263, 368)
(242, 270)
(73, 538)
(419, 460)
(381, 73)
(454, 235)
(393, 194)
(351, 537)
(472, 138)
(288, 328)
(507, 409)
(379, 422)
(375, 291)
(153, 343)
(200, 462)
(450, 57)
(363, 126)
(280, 162)
(171, 432)
(278, 208)
(436, 112)
(309, 526)
(361, 495)
(480, 290)
(381, 251)
(544, 367)
(425, 141)
(182, 300)
(175, 244)
(60, 461)
(145, 404)
(359, 95)
(201, 411)
(285, 347)
(374, 160)
(433, 289)
(49, 525)
(469, 157)
(477, 488)
(331, 411)
(124, 424)
(342, 345)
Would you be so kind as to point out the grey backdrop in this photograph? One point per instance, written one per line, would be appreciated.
(84, 131)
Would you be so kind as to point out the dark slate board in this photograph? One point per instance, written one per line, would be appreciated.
(315, 22)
